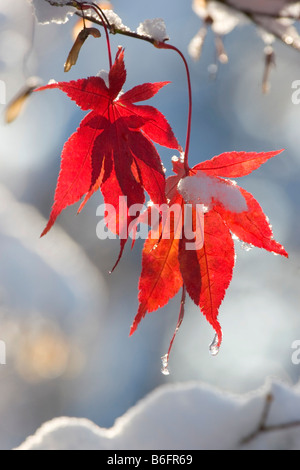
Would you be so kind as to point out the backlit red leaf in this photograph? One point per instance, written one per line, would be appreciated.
(160, 278)
(207, 272)
(235, 164)
(252, 226)
(112, 150)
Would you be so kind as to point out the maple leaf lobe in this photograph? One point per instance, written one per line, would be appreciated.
(206, 272)
(113, 148)
(235, 164)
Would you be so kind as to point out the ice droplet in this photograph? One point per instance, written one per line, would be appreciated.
(165, 362)
(214, 348)
(246, 246)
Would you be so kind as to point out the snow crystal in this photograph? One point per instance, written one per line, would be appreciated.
(155, 29)
(46, 13)
(203, 189)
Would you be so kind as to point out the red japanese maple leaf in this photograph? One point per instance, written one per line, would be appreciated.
(205, 272)
(112, 149)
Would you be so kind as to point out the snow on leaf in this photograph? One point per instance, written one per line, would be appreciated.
(204, 269)
(204, 189)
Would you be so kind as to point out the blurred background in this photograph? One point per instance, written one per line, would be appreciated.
(65, 321)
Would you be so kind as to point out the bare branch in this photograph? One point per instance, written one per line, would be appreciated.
(262, 427)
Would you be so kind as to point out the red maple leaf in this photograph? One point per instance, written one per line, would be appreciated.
(112, 149)
(205, 272)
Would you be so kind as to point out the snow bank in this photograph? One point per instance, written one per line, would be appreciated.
(185, 416)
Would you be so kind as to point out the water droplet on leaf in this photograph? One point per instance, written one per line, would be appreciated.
(165, 363)
(246, 246)
(214, 348)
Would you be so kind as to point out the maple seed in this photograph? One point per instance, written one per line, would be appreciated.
(17, 104)
(80, 40)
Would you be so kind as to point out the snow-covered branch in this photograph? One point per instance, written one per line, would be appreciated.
(151, 30)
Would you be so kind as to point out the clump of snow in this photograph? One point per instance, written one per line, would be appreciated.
(52, 81)
(187, 417)
(155, 29)
(58, 11)
(204, 189)
(115, 20)
(48, 11)
(112, 17)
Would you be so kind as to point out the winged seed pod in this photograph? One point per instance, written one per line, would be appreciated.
(16, 105)
(80, 40)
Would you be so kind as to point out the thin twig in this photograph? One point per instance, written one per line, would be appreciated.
(251, 12)
(113, 30)
(257, 18)
(263, 428)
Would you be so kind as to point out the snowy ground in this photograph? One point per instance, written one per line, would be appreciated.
(187, 417)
